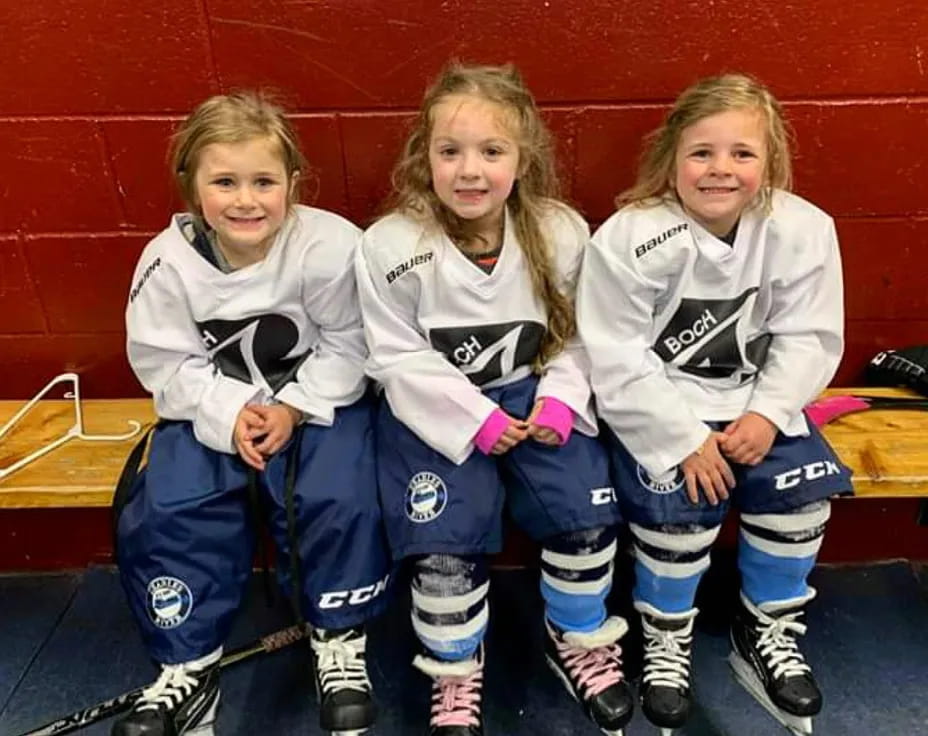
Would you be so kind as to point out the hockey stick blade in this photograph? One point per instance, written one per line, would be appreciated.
(829, 408)
(106, 709)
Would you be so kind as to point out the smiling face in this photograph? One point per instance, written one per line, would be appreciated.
(242, 190)
(474, 160)
(719, 167)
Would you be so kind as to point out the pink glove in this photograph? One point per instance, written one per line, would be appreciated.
(557, 416)
(492, 429)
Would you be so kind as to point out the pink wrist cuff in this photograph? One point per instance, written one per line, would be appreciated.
(492, 429)
(556, 415)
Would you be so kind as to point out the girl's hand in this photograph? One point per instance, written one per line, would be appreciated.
(248, 425)
(706, 468)
(539, 433)
(512, 436)
(748, 439)
(277, 426)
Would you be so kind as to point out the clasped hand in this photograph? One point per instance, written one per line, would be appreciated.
(260, 431)
(520, 429)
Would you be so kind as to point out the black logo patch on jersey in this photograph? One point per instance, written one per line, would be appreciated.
(702, 339)
(143, 279)
(254, 350)
(640, 250)
(485, 353)
(406, 266)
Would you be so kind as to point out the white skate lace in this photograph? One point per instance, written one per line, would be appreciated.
(594, 670)
(777, 644)
(456, 700)
(173, 685)
(666, 656)
(340, 662)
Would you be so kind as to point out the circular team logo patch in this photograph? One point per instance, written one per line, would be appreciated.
(169, 602)
(426, 497)
(668, 482)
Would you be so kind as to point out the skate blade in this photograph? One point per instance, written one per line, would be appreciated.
(352, 732)
(206, 726)
(745, 674)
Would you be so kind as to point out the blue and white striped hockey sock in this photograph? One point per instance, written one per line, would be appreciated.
(670, 560)
(449, 604)
(576, 576)
(776, 552)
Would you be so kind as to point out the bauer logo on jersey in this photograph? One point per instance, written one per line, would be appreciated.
(169, 602)
(485, 353)
(406, 266)
(426, 497)
(665, 483)
(640, 250)
(703, 339)
(256, 350)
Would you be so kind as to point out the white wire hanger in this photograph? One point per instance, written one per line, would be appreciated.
(75, 432)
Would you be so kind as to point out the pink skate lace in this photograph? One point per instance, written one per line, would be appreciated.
(456, 700)
(594, 670)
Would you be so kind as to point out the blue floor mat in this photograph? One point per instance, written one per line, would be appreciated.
(69, 641)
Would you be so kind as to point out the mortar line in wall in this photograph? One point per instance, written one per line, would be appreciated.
(27, 267)
(75, 234)
(870, 101)
(204, 8)
(111, 169)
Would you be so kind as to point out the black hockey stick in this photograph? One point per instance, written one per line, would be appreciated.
(829, 408)
(101, 711)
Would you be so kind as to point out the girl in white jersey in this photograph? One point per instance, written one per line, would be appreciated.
(711, 307)
(467, 294)
(244, 324)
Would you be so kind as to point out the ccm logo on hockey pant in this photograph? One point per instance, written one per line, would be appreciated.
(602, 496)
(810, 471)
(356, 597)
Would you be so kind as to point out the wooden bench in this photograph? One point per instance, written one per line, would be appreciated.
(887, 450)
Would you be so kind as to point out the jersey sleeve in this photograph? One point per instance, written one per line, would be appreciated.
(434, 399)
(333, 375)
(615, 308)
(168, 357)
(567, 376)
(807, 327)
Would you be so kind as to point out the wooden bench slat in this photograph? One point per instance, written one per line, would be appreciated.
(79, 473)
(887, 450)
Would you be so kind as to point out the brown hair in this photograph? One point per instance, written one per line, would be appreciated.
(708, 97)
(536, 189)
(233, 118)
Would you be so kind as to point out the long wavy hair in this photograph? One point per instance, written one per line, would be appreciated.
(708, 97)
(535, 192)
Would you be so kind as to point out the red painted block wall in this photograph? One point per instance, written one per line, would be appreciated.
(90, 90)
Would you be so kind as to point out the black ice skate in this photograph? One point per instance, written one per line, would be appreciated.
(457, 689)
(665, 683)
(342, 685)
(590, 666)
(767, 661)
(181, 702)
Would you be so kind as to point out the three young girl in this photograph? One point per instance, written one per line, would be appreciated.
(709, 312)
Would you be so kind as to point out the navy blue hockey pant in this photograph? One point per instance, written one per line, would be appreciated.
(784, 506)
(186, 539)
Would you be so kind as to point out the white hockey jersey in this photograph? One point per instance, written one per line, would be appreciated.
(682, 328)
(287, 328)
(440, 329)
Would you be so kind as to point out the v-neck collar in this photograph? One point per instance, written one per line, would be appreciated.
(469, 274)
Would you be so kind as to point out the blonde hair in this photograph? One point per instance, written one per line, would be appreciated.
(233, 118)
(535, 191)
(707, 97)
